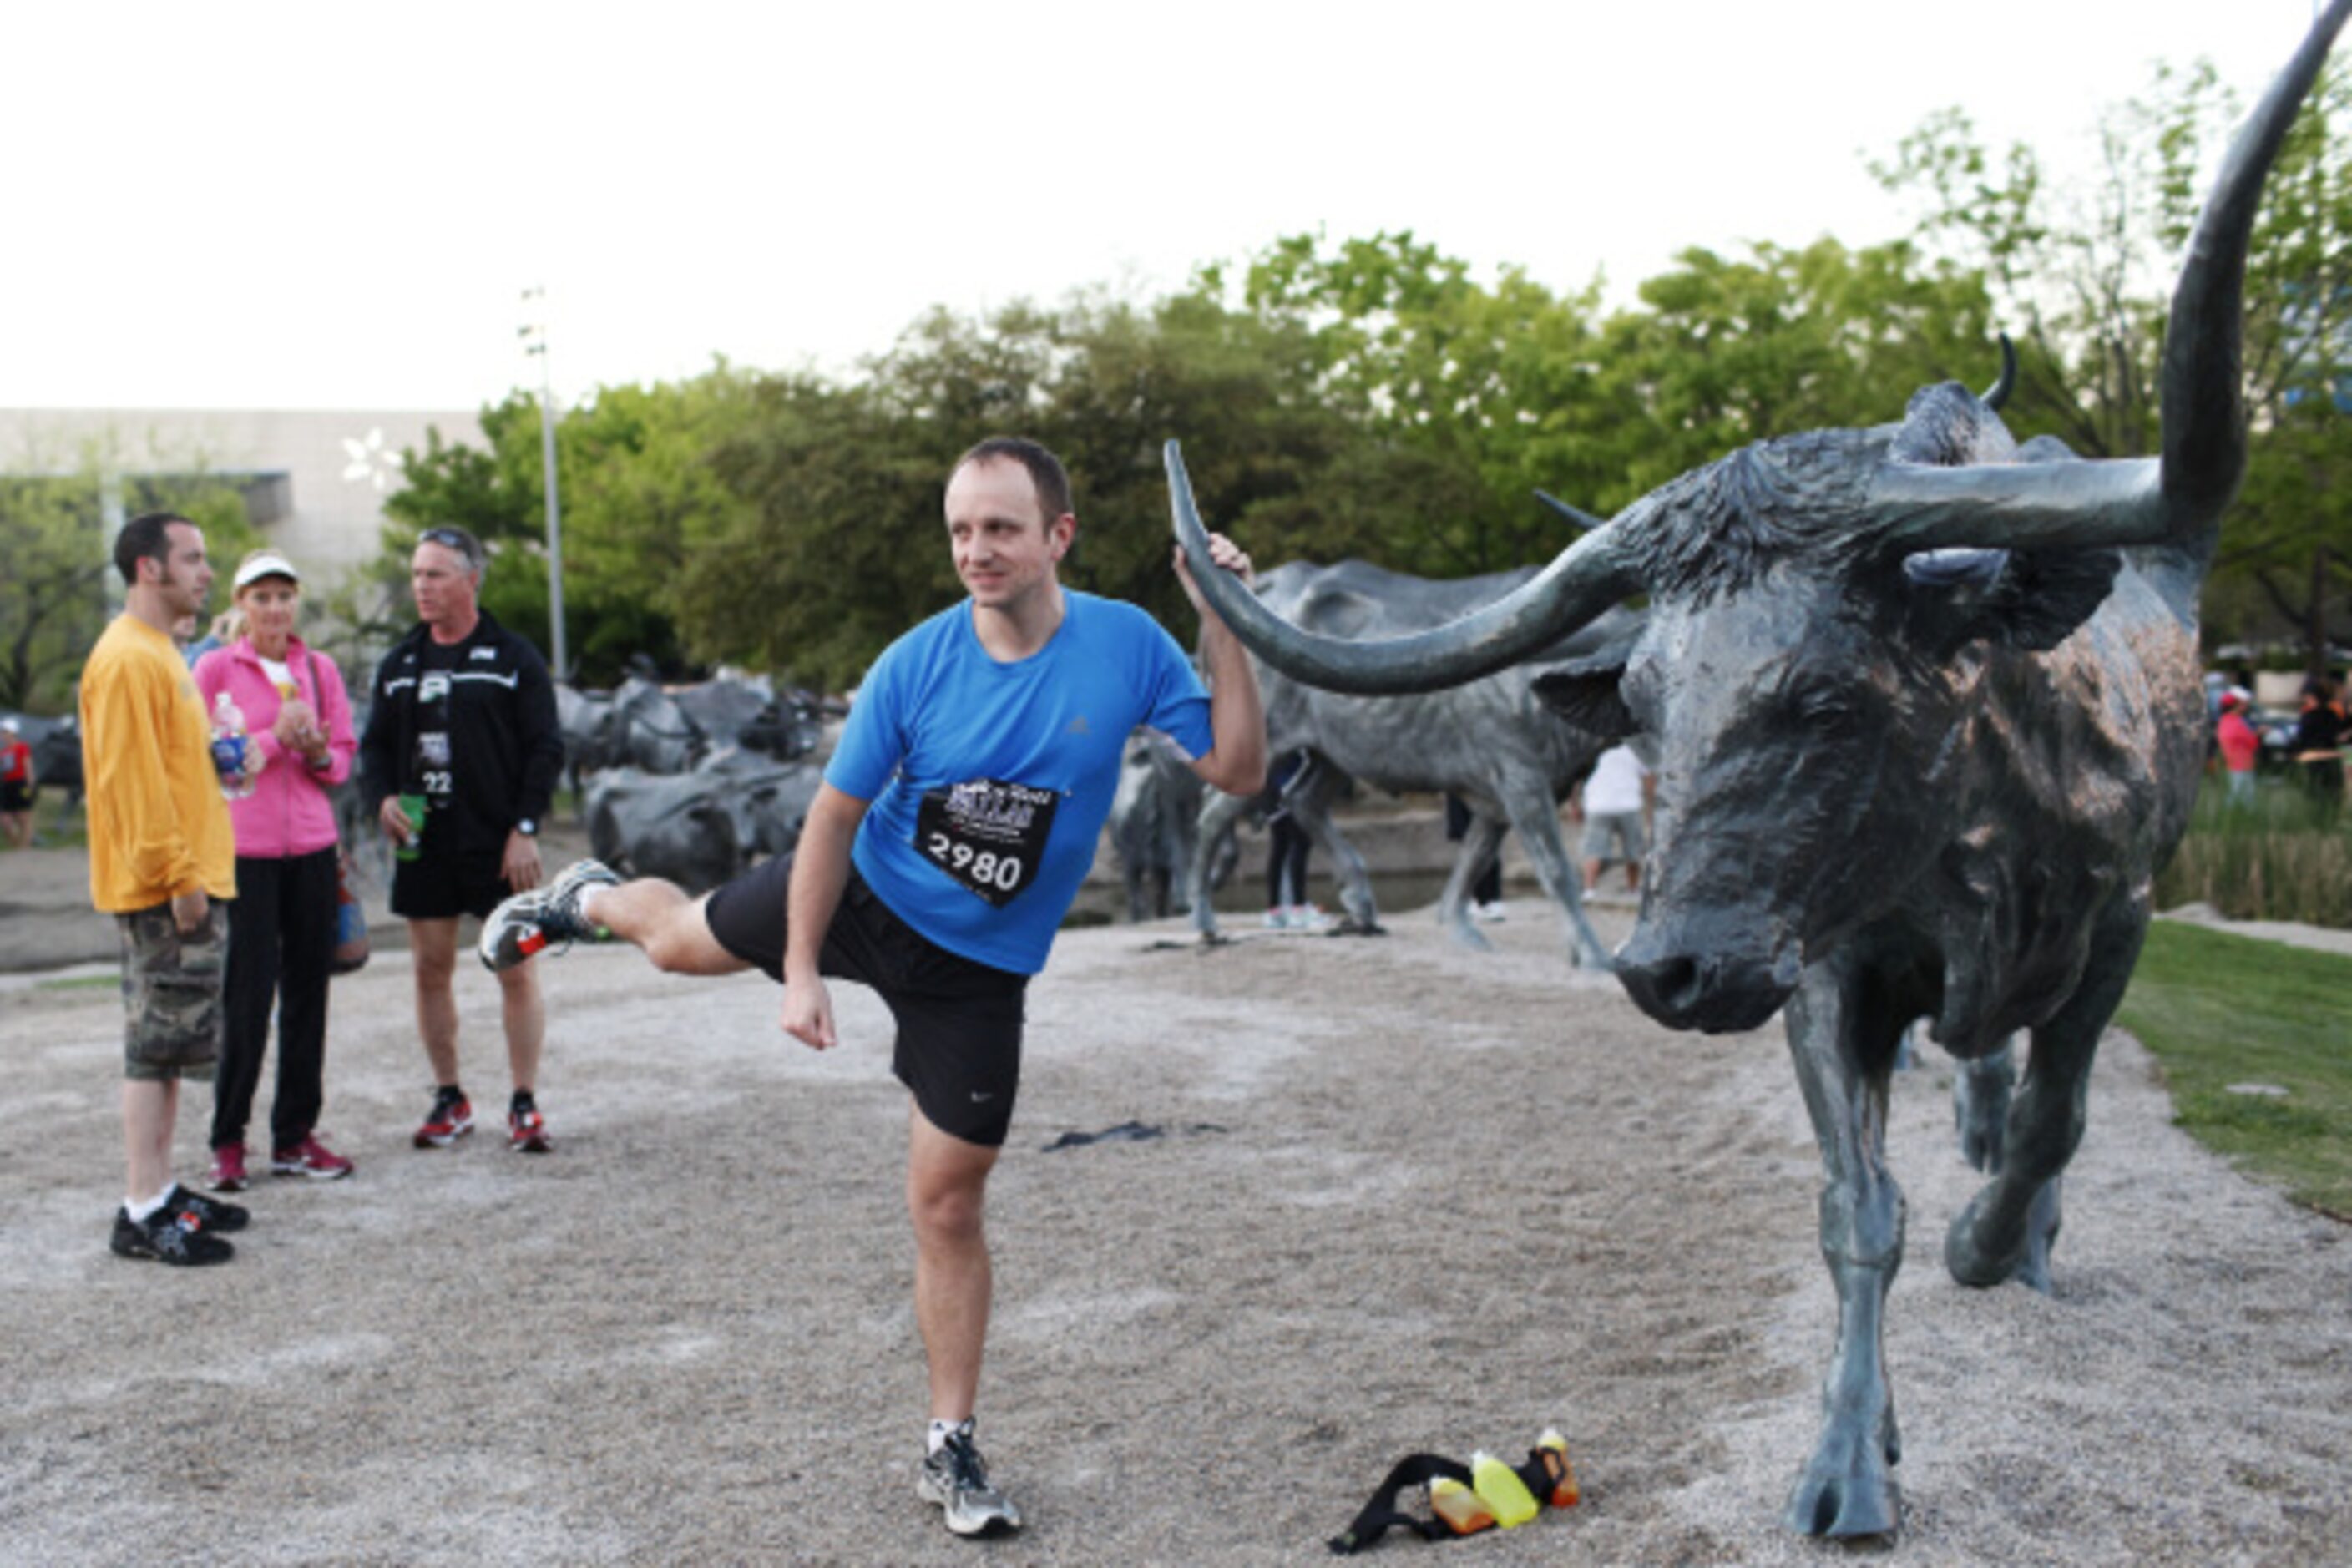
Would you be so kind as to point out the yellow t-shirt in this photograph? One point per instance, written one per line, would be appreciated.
(158, 824)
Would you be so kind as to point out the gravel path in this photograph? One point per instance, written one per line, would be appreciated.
(1406, 1198)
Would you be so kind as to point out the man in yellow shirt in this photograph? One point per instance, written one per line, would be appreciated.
(161, 851)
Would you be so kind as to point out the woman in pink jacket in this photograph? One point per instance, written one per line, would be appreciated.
(282, 925)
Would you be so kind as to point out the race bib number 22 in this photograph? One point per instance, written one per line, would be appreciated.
(988, 835)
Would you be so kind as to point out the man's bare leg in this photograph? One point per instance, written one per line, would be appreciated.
(148, 1108)
(947, 1180)
(524, 1012)
(661, 920)
(433, 951)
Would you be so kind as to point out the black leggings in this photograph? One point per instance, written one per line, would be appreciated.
(281, 938)
(1287, 848)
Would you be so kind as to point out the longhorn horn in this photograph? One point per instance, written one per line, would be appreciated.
(1584, 580)
(1996, 395)
(2177, 498)
(1583, 522)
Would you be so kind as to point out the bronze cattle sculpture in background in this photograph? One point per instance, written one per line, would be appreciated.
(1901, 782)
(1488, 740)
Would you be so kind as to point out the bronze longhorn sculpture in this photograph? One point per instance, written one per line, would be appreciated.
(1929, 713)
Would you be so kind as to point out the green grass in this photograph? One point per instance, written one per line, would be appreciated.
(2278, 859)
(82, 983)
(2216, 1010)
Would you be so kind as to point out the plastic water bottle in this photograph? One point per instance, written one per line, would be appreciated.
(1500, 1487)
(1553, 1449)
(233, 753)
(1463, 1511)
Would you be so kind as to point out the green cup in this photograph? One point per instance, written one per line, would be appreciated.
(412, 806)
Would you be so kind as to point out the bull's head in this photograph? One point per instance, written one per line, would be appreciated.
(1822, 602)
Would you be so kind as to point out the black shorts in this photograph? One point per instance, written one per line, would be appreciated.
(959, 1045)
(16, 794)
(443, 887)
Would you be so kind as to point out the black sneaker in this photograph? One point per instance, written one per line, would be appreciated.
(954, 1477)
(173, 1234)
(216, 1215)
(529, 923)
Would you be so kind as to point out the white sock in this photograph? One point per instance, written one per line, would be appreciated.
(586, 902)
(943, 1430)
(138, 1211)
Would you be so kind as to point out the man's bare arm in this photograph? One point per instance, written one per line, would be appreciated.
(1236, 759)
(820, 872)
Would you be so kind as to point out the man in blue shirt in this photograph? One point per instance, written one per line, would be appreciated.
(956, 820)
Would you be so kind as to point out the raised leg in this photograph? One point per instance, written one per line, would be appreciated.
(1480, 843)
(2010, 1226)
(1535, 815)
(1842, 1034)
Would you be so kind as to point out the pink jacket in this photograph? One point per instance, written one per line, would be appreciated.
(288, 812)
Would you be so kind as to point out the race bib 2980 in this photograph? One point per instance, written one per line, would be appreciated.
(988, 835)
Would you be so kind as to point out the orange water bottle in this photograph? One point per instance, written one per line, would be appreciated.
(1552, 1449)
(1463, 1510)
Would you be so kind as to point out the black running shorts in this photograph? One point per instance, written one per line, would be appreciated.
(443, 887)
(958, 1046)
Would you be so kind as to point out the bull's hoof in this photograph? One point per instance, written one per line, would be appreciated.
(1844, 1501)
(1971, 1260)
(1354, 926)
(1974, 1260)
(1465, 934)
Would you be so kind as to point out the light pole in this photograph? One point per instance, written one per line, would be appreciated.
(534, 338)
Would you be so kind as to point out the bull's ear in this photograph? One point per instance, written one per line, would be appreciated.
(1338, 612)
(2033, 601)
(1584, 693)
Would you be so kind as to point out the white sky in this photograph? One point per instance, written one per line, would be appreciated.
(334, 205)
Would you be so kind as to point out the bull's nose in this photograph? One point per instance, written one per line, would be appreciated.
(1711, 990)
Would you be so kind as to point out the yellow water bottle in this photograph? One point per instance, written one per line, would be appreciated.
(1500, 1487)
(1552, 1448)
(1463, 1510)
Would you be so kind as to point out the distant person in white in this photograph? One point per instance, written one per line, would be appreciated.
(1615, 799)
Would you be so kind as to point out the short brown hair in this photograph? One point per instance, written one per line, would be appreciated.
(1045, 470)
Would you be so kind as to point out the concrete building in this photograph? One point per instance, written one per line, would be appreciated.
(315, 482)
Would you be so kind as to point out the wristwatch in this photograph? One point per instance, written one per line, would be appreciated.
(527, 827)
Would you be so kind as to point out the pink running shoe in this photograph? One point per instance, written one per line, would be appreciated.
(228, 1169)
(309, 1158)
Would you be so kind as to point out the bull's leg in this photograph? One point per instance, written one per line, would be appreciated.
(1842, 1037)
(1218, 815)
(2008, 1227)
(1536, 816)
(1980, 1105)
(1479, 847)
(1312, 805)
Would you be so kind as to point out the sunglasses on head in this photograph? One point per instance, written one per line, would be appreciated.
(453, 538)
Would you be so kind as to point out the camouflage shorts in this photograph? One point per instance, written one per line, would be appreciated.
(172, 992)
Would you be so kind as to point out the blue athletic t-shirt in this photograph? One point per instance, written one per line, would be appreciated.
(990, 782)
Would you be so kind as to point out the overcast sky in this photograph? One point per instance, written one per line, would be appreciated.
(334, 206)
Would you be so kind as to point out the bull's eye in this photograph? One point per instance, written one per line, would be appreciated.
(1821, 709)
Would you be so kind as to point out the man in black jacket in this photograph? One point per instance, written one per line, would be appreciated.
(463, 720)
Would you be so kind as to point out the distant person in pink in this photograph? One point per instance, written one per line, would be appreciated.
(282, 926)
(2240, 745)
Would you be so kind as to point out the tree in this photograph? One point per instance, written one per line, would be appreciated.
(54, 589)
(2084, 276)
(636, 491)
